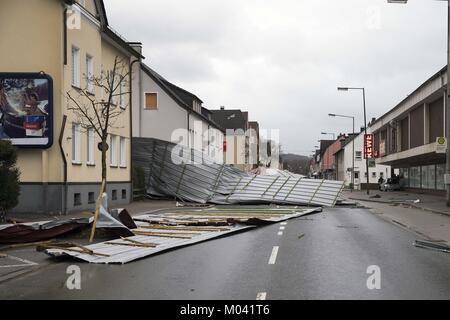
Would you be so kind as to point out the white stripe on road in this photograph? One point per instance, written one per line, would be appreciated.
(282, 228)
(261, 296)
(273, 256)
(284, 223)
(280, 233)
(26, 263)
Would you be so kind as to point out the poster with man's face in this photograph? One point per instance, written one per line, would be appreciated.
(26, 107)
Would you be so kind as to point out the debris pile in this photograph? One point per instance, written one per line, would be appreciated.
(179, 227)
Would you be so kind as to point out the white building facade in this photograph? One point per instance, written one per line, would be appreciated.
(344, 165)
(164, 111)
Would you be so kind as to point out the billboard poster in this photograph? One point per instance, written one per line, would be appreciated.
(26, 109)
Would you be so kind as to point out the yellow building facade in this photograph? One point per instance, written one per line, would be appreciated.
(68, 40)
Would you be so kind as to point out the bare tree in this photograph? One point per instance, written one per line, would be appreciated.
(101, 114)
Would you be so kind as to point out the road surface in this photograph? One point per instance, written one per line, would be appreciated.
(321, 256)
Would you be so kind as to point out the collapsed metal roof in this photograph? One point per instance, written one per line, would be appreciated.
(187, 174)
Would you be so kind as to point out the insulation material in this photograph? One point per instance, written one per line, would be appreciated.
(189, 175)
(38, 231)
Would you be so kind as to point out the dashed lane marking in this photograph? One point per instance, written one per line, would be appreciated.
(273, 255)
(261, 296)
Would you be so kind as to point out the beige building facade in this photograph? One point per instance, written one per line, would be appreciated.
(68, 40)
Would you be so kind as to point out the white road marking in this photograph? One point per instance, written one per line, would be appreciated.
(280, 233)
(282, 228)
(261, 296)
(284, 223)
(26, 263)
(273, 256)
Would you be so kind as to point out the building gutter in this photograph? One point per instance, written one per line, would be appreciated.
(131, 116)
(65, 192)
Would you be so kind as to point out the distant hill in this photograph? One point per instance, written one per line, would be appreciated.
(293, 156)
(295, 163)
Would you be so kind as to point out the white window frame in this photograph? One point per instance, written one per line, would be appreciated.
(90, 139)
(75, 75)
(123, 152)
(89, 73)
(113, 150)
(76, 143)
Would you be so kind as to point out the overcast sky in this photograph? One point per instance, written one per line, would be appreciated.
(282, 59)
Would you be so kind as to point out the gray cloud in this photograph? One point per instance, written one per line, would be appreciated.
(282, 60)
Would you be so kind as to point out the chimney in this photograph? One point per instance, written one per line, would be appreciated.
(137, 46)
(222, 108)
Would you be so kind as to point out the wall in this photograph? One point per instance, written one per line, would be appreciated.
(360, 165)
(162, 122)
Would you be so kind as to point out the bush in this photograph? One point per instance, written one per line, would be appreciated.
(9, 178)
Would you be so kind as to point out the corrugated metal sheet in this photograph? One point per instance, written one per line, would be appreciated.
(189, 175)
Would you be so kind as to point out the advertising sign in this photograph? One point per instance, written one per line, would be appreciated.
(441, 145)
(368, 146)
(26, 109)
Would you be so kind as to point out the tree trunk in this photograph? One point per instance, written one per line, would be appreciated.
(104, 151)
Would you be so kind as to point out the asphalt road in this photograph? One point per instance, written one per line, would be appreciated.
(329, 261)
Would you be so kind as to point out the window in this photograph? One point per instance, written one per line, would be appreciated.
(358, 155)
(151, 101)
(356, 175)
(365, 174)
(123, 152)
(90, 146)
(122, 96)
(114, 194)
(75, 67)
(374, 174)
(429, 177)
(381, 174)
(440, 171)
(113, 150)
(77, 199)
(76, 150)
(91, 197)
(124, 193)
(89, 74)
(414, 177)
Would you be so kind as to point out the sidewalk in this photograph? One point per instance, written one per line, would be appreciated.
(134, 208)
(434, 203)
(429, 218)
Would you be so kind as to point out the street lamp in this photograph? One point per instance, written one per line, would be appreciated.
(353, 146)
(365, 125)
(447, 155)
(330, 133)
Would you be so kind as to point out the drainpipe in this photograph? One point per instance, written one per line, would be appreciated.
(65, 192)
(131, 118)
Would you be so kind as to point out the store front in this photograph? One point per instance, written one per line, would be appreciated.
(426, 178)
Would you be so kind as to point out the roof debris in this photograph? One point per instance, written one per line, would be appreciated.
(189, 175)
(159, 232)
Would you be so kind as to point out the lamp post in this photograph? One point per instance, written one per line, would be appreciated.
(447, 155)
(353, 146)
(330, 133)
(365, 125)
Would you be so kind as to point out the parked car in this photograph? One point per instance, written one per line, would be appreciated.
(391, 185)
